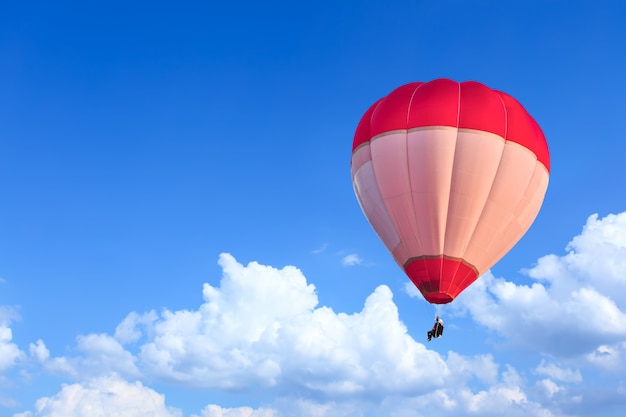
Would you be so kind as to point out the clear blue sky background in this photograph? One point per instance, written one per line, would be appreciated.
(143, 142)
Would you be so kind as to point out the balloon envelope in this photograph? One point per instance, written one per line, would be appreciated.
(450, 175)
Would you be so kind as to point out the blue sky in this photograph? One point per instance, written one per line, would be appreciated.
(179, 235)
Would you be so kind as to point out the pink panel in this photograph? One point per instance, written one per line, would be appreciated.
(523, 217)
(431, 157)
(373, 206)
(526, 213)
(401, 254)
(390, 162)
(389, 156)
(475, 166)
(359, 157)
(514, 174)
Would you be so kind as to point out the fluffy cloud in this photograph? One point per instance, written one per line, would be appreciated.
(262, 329)
(103, 396)
(111, 395)
(505, 395)
(9, 351)
(609, 358)
(262, 324)
(576, 304)
(100, 353)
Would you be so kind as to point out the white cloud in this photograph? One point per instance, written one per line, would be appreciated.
(558, 373)
(610, 358)
(103, 396)
(126, 332)
(261, 325)
(506, 395)
(481, 367)
(101, 353)
(57, 365)
(213, 410)
(9, 351)
(549, 387)
(262, 329)
(351, 260)
(576, 304)
(111, 395)
(596, 259)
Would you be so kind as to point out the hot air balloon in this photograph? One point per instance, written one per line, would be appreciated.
(450, 175)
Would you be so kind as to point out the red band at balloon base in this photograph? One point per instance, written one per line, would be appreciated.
(440, 278)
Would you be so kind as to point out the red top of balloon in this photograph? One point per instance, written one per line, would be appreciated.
(464, 105)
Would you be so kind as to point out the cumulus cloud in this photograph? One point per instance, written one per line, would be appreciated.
(103, 396)
(262, 328)
(576, 304)
(505, 395)
(111, 395)
(126, 332)
(59, 365)
(100, 353)
(549, 387)
(10, 353)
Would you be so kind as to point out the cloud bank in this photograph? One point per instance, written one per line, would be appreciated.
(262, 330)
(576, 306)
